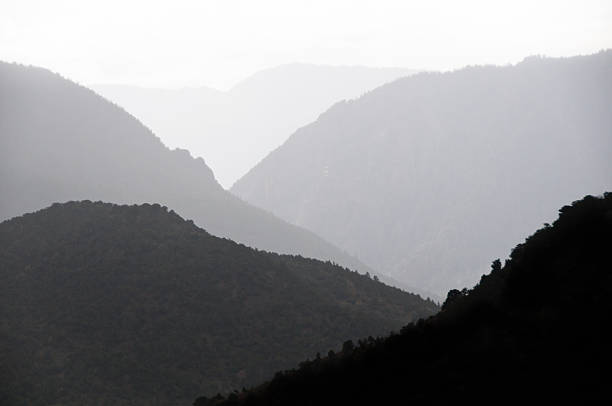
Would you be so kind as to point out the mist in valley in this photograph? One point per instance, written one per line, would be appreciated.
(286, 202)
(234, 130)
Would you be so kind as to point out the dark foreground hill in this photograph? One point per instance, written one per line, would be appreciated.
(536, 329)
(427, 178)
(60, 141)
(111, 305)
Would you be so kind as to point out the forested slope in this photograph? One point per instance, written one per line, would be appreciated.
(535, 329)
(113, 305)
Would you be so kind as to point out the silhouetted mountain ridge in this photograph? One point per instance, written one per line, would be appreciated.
(108, 304)
(535, 329)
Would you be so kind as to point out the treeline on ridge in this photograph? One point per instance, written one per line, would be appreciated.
(536, 328)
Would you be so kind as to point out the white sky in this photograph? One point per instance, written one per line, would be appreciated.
(176, 43)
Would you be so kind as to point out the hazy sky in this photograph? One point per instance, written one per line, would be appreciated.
(216, 43)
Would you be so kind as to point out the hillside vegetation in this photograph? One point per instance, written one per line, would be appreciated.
(535, 329)
(121, 305)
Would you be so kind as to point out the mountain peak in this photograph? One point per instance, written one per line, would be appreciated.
(430, 161)
(64, 142)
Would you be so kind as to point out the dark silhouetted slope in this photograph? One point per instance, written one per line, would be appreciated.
(111, 305)
(428, 177)
(534, 330)
(60, 141)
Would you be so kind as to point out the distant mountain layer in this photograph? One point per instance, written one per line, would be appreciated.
(61, 141)
(428, 177)
(234, 130)
(107, 304)
(536, 329)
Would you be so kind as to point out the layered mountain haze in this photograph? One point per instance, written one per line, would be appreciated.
(233, 130)
(125, 305)
(221, 203)
(430, 176)
(61, 141)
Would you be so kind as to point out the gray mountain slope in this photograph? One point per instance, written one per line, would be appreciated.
(234, 130)
(60, 141)
(431, 177)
